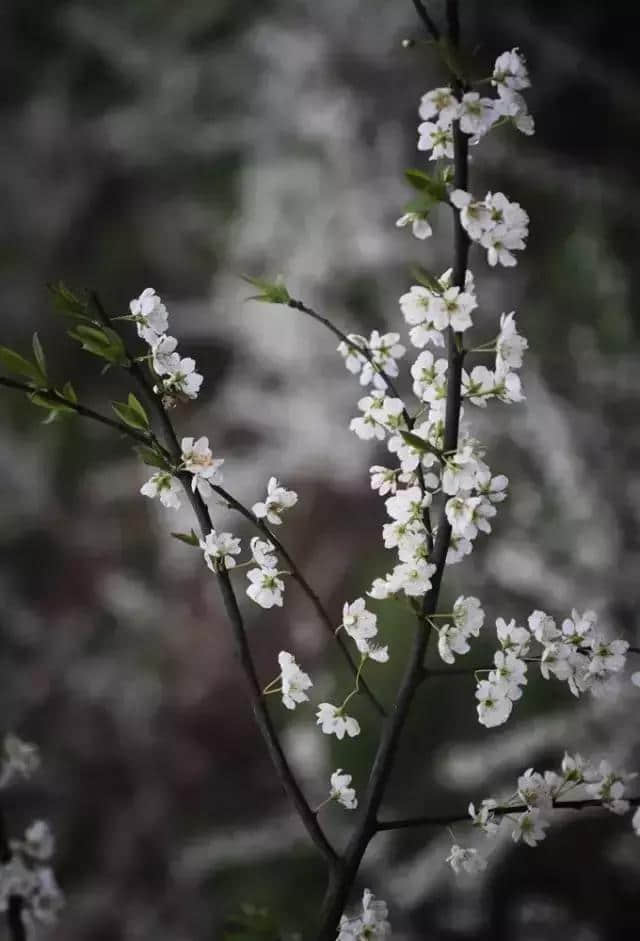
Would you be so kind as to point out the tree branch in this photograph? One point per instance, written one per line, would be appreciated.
(448, 819)
(15, 924)
(340, 884)
(426, 18)
(142, 436)
(261, 713)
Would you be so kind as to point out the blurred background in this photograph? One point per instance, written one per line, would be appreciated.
(181, 146)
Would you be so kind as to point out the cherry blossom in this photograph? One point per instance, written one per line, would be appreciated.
(278, 499)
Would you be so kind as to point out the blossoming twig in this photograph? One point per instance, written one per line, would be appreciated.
(449, 819)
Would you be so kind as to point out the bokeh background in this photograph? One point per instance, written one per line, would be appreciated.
(180, 146)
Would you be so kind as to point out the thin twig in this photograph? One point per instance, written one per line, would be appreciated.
(143, 437)
(306, 587)
(263, 719)
(426, 18)
(15, 923)
(449, 819)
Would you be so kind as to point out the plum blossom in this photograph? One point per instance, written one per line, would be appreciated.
(150, 315)
(466, 859)
(198, 460)
(510, 345)
(510, 71)
(476, 114)
(265, 587)
(529, 827)
(219, 549)
(295, 681)
(341, 791)
(278, 499)
(166, 487)
(437, 139)
(441, 104)
(419, 223)
(371, 925)
(332, 721)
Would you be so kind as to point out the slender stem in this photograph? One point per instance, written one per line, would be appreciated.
(243, 651)
(448, 819)
(305, 586)
(426, 18)
(363, 350)
(341, 881)
(142, 436)
(15, 924)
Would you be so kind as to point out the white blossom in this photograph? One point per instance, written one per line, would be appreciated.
(510, 71)
(278, 499)
(198, 459)
(512, 638)
(476, 114)
(635, 822)
(39, 841)
(181, 379)
(265, 587)
(437, 139)
(494, 706)
(166, 487)
(468, 860)
(219, 549)
(262, 552)
(340, 790)
(332, 721)
(419, 223)
(150, 315)
(295, 681)
(529, 827)
(510, 345)
(441, 104)
(370, 925)
(484, 819)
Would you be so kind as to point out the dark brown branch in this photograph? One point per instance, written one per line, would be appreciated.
(201, 511)
(15, 924)
(306, 587)
(426, 18)
(449, 819)
(342, 879)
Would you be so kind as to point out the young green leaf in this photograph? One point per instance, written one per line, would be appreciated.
(272, 292)
(70, 393)
(136, 407)
(430, 186)
(68, 304)
(129, 416)
(38, 352)
(152, 458)
(191, 539)
(415, 441)
(16, 363)
(425, 278)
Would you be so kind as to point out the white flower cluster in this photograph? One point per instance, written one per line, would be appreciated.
(535, 797)
(371, 924)
(498, 225)
(576, 652)
(177, 374)
(27, 873)
(384, 351)
(429, 312)
(476, 115)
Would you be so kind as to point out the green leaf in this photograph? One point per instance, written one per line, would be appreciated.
(70, 393)
(38, 352)
(101, 341)
(129, 416)
(426, 279)
(136, 407)
(68, 304)
(16, 363)
(191, 538)
(415, 441)
(152, 458)
(272, 292)
(430, 186)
